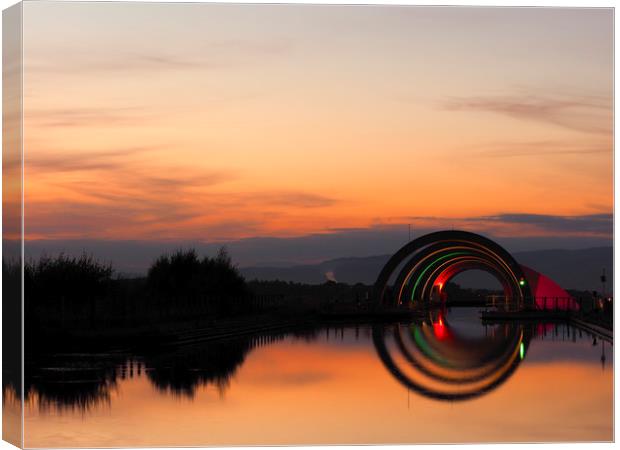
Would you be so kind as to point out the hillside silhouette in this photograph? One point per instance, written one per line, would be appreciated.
(572, 269)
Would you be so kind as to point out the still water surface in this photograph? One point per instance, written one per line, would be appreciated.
(450, 379)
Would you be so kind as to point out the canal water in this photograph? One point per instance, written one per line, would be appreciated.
(448, 380)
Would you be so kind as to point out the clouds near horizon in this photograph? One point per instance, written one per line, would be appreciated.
(134, 256)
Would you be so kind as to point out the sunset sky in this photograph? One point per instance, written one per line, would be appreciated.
(222, 122)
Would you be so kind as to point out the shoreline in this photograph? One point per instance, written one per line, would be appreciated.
(190, 331)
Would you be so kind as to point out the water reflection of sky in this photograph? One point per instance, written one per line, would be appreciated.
(331, 387)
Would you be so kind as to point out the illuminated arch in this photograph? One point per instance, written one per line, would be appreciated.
(425, 264)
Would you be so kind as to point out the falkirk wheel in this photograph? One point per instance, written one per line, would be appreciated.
(417, 273)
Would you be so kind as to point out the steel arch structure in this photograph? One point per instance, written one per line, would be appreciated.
(423, 266)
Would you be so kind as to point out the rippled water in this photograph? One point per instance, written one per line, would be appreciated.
(450, 379)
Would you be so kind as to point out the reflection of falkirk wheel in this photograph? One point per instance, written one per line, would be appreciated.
(436, 362)
(417, 273)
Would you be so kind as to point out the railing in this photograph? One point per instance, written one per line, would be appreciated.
(510, 304)
(555, 303)
(504, 303)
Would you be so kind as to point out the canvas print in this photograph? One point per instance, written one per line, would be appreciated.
(287, 224)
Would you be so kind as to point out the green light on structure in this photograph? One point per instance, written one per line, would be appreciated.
(521, 282)
(521, 350)
(415, 286)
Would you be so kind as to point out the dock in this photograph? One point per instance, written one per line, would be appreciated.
(489, 317)
(523, 315)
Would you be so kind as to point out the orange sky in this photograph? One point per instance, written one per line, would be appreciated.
(216, 122)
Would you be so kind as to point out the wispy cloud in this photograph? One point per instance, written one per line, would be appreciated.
(125, 191)
(290, 198)
(585, 113)
(524, 224)
(55, 162)
(589, 223)
(211, 55)
(546, 148)
(83, 117)
(79, 63)
(161, 209)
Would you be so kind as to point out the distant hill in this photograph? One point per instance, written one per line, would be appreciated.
(571, 269)
(346, 270)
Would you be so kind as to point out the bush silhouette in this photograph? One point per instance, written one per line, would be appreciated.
(62, 292)
(68, 278)
(184, 279)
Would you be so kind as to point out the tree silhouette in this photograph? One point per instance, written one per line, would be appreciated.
(183, 280)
